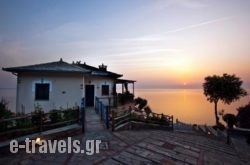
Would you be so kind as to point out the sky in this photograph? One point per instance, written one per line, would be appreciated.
(158, 43)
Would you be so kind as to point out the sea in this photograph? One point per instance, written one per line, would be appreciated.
(187, 105)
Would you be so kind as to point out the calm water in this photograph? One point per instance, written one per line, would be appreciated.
(188, 105)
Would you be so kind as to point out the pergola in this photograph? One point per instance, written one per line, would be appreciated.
(124, 84)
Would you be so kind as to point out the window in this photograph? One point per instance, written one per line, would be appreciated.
(105, 90)
(42, 91)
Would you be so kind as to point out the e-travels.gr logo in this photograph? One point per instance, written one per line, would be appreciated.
(53, 146)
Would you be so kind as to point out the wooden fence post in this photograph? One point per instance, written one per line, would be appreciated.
(107, 117)
(41, 122)
(101, 110)
(97, 105)
(228, 136)
(83, 115)
(113, 120)
(100, 107)
(172, 122)
(83, 119)
(130, 119)
(78, 115)
(107, 113)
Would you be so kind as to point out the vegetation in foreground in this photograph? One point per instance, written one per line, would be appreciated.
(5, 112)
(15, 125)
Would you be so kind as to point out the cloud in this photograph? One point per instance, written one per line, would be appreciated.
(145, 38)
(142, 52)
(164, 36)
(192, 4)
(67, 32)
(199, 24)
(165, 4)
(150, 38)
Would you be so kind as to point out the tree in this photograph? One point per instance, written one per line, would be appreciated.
(226, 88)
(243, 116)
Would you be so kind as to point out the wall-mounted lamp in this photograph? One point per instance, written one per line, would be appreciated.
(38, 140)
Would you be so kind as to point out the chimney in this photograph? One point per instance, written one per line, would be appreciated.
(103, 67)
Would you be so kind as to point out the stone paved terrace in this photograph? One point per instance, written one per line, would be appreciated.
(138, 147)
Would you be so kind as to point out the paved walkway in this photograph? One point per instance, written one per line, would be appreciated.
(137, 147)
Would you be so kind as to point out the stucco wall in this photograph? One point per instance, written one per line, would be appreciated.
(65, 91)
(98, 82)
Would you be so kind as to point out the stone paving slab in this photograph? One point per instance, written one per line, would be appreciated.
(240, 147)
(198, 142)
(168, 153)
(129, 159)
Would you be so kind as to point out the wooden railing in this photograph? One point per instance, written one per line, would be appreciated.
(130, 120)
(103, 110)
(118, 121)
(183, 126)
(244, 132)
(37, 121)
(83, 115)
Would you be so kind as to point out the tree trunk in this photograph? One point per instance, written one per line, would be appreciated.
(216, 113)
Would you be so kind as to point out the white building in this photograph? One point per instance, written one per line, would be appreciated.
(59, 84)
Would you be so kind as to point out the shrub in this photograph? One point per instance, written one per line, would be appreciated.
(230, 119)
(55, 116)
(24, 123)
(243, 116)
(70, 114)
(148, 110)
(142, 102)
(38, 116)
(220, 126)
